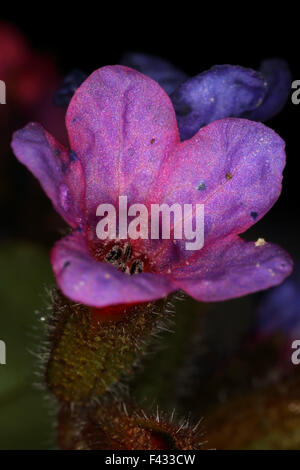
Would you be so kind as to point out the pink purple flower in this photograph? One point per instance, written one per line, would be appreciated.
(124, 140)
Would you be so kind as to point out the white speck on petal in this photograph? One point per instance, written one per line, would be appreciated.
(260, 242)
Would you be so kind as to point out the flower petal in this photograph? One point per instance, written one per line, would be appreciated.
(97, 284)
(162, 71)
(121, 125)
(232, 166)
(222, 91)
(277, 74)
(233, 268)
(57, 169)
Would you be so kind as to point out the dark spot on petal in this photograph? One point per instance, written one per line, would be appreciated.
(73, 157)
(201, 186)
(57, 152)
(254, 215)
(228, 176)
(64, 167)
(66, 264)
(152, 141)
(79, 229)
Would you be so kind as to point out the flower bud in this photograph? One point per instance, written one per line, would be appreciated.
(120, 427)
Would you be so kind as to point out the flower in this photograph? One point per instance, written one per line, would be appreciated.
(222, 91)
(124, 140)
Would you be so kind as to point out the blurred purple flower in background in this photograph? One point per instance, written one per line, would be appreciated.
(276, 325)
(162, 71)
(222, 91)
(279, 309)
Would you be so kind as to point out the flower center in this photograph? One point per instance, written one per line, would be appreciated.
(121, 255)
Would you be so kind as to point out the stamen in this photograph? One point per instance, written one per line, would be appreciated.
(127, 252)
(137, 267)
(121, 257)
(114, 254)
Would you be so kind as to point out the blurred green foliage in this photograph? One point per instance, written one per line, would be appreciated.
(24, 415)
